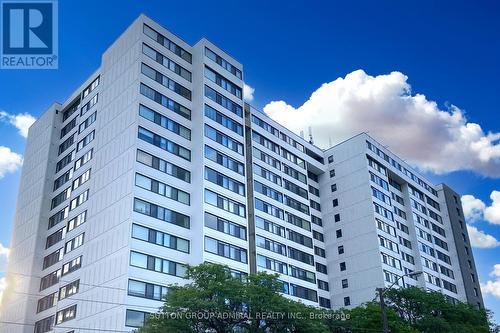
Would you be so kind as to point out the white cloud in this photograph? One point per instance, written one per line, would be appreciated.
(473, 208)
(4, 256)
(492, 213)
(9, 161)
(492, 287)
(21, 121)
(480, 239)
(415, 127)
(248, 93)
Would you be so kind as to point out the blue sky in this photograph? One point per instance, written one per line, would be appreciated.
(448, 51)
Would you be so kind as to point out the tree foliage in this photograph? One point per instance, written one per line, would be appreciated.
(215, 301)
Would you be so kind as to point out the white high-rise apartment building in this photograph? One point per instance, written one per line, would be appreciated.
(156, 163)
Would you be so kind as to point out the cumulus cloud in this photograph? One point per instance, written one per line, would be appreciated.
(9, 161)
(480, 239)
(492, 287)
(475, 209)
(21, 121)
(248, 93)
(416, 128)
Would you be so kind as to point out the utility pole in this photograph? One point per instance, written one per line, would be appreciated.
(385, 324)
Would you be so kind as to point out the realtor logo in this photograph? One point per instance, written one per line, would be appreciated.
(29, 34)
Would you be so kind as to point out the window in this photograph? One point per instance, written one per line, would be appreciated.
(65, 161)
(319, 252)
(156, 264)
(223, 120)
(55, 237)
(89, 121)
(293, 158)
(74, 243)
(166, 62)
(161, 213)
(227, 227)
(224, 181)
(302, 274)
(333, 187)
(330, 159)
(379, 181)
(68, 127)
(269, 226)
(318, 236)
(268, 191)
(71, 266)
(297, 205)
(268, 159)
(44, 325)
(52, 258)
(270, 245)
(85, 141)
(162, 189)
(272, 264)
(135, 318)
(323, 285)
(345, 284)
(342, 266)
(298, 221)
(79, 200)
(165, 81)
(224, 160)
(336, 217)
(264, 173)
(46, 302)
(167, 43)
(68, 112)
(160, 238)
(262, 140)
(347, 301)
(383, 212)
(164, 122)
(90, 87)
(316, 220)
(300, 256)
(223, 139)
(332, 173)
(89, 105)
(66, 314)
(325, 302)
(224, 203)
(60, 198)
(76, 221)
(335, 202)
(84, 159)
(146, 290)
(66, 144)
(164, 144)
(315, 205)
(303, 292)
(223, 63)
(268, 208)
(223, 101)
(163, 166)
(225, 250)
(381, 196)
(261, 123)
(338, 233)
(61, 180)
(82, 179)
(300, 239)
(69, 289)
(313, 190)
(223, 82)
(340, 249)
(165, 101)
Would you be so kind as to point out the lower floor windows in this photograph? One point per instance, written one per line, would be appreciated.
(303, 292)
(135, 318)
(66, 314)
(44, 325)
(160, 238)
(272, 264)
(225, 250)
(146, 290)
(156, 264)
(325, 302)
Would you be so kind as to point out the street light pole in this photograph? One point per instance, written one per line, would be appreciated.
(382, 291)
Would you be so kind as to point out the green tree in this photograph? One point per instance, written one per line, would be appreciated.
(215, 301)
